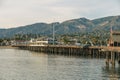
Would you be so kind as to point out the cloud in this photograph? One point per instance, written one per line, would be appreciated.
(1, 2)
(92, 9)
(22, 12)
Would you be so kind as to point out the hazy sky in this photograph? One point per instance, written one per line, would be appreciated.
(14, 13)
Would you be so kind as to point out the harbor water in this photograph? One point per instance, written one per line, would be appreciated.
(16, 64)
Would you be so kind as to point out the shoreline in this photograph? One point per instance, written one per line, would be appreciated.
(7, 47)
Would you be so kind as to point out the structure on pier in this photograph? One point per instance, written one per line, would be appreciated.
(113, 49)
(116, 39)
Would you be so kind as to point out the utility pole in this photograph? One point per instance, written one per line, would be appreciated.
(53, 34)
(111, 39)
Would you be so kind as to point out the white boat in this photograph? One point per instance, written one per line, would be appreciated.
(38, 43)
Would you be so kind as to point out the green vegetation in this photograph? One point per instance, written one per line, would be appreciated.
(97, 38)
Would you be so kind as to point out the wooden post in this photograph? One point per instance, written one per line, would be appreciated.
(118, 58)
(107, 59)
(112, 59)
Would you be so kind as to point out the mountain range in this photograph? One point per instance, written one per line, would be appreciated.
(79, 25)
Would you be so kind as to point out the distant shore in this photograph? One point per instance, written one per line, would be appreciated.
(7, 47)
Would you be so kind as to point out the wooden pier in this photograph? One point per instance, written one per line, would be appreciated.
(110, 53)
(64, 50)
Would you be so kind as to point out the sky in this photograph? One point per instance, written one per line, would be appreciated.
(15, 13)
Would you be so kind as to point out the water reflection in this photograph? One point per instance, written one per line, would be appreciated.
(27, 65)
(113, 73)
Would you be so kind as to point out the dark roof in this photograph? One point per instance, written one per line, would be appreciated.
(116, 33)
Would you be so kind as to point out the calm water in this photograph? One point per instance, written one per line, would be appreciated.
(25, 65)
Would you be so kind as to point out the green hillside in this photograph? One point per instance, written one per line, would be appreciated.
(67, 27)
